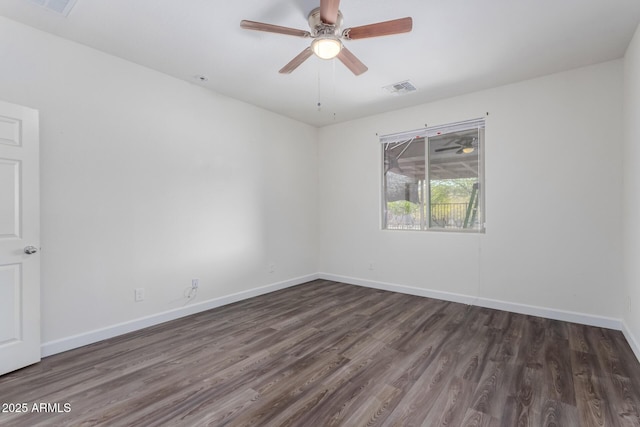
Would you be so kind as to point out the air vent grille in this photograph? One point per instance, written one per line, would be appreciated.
(400, 88)
(61, 7)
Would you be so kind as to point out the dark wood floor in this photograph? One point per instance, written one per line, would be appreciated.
(325, 353)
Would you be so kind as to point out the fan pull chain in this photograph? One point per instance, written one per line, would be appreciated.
(319, 104)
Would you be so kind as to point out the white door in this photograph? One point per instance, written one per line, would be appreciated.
(19, 234)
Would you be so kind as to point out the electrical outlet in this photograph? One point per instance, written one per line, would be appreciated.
(195, 283)
(272, 268)
(138, 294)
(371, 266)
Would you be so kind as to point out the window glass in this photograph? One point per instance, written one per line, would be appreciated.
(454, 180)
(435, 181)
(404, 184)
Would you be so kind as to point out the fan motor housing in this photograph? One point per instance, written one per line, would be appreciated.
(319, 28)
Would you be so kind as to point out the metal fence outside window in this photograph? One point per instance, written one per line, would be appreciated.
(443, 215)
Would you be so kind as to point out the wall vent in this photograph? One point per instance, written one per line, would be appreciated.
(400, 88)
(61, 7)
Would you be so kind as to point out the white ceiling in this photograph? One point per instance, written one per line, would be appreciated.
(456, 46)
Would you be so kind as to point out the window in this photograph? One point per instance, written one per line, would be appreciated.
(433, 178)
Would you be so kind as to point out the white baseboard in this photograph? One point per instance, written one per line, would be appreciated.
(549, 313)
(631, 339)
(384, 286)
(75, 341)
(552, 313)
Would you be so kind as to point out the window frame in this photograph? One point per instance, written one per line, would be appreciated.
(428, 133)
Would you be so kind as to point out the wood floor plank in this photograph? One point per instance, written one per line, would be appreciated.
(474, 418)
(590, 396)
(557, 370)
(330, 354)
(452, 405)
(557, 414)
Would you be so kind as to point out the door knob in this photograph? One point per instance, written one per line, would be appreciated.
(30, 250)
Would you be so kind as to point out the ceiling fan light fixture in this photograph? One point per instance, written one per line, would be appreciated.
(467, 150)
(326, 47)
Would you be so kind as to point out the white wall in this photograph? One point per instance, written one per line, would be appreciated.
(553, 198)
(632, 190)
(148, 181)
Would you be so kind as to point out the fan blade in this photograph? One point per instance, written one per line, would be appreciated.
(329, 11)
(387, 28)
(458, 141)
(352, 63)
(295, 62)
(460, 151)
(437, 150)
(269, 28)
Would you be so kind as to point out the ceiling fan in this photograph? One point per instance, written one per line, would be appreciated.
(464, 145)
(325, 23)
